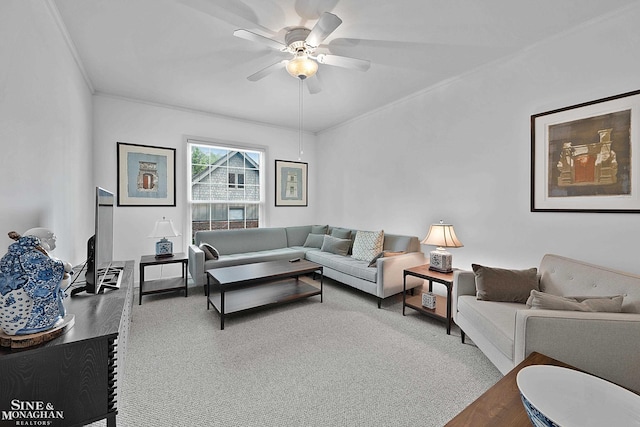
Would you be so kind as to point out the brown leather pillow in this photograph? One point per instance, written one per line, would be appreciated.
(499, 284)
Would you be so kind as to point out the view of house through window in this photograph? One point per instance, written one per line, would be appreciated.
(225, 187)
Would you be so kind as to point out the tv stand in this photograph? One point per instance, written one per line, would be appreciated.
(77, 374)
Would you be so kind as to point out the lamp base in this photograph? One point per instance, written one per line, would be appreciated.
(440, 260)
(164, 248)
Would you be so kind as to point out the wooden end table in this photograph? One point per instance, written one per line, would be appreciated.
(163, 285)
(501, 405)
(443, 305)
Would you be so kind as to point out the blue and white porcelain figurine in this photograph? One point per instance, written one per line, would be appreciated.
(31, 298)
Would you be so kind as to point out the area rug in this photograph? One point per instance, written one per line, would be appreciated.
(342, 362)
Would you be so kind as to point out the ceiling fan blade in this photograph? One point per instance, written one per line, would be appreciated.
(232, 11)
(313, 9)
(326, 25)
(344, 62)
(313, 84)
(248, 35)
(268, 70)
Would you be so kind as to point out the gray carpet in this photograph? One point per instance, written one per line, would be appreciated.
(343, 362)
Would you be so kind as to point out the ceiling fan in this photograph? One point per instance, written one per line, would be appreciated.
(301, 43)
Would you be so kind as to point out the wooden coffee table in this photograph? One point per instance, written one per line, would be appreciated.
(501, 404)
(248, 286)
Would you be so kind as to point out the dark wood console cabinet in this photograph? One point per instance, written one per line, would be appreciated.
(72, 380)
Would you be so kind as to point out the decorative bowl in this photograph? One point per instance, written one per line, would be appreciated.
(555, 396)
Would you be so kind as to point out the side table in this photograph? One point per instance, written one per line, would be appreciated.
(148, 287)
(443, 305)
(501, 405)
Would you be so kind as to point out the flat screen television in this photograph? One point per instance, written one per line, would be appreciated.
(101, 272)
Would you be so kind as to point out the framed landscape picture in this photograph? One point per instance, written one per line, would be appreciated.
(584, 158)
(291, 183)
(146, 175)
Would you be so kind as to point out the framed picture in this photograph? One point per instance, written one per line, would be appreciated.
(146, 175)
(581, 157)
(291, 183)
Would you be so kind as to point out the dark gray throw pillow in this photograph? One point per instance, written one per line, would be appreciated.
(341, 233)
(319, 229)
(374, 261)
(498, 284)
(335, 245)
(314, 241)
(209, 251)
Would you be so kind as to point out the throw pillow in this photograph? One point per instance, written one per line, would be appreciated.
(390, 253)
(209, 251)
(341, 233)
(367, 245)
(374, 261)
(384, 254)
(314, 241)
(335, 245)
(498, 284)
(319, 229)
(542, 301)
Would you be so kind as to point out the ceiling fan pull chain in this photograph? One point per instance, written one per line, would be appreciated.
(300, 119)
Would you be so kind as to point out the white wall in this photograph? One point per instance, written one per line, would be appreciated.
(120, 120)
(461, 152)
(45, 131)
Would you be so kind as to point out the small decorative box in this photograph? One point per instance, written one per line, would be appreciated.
(429, 300)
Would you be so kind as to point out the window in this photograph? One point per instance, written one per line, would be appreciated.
(236, 180)
(226, 187)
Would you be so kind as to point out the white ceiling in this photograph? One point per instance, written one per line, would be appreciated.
(183, 53)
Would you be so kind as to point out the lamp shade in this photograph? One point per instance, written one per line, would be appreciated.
(164, 228)
(443, 236)
(302, 67)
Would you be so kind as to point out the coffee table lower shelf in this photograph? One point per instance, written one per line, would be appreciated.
(263, 295)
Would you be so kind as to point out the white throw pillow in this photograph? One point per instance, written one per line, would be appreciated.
(367, 245)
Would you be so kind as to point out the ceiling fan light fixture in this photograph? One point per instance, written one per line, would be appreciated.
(302, 67)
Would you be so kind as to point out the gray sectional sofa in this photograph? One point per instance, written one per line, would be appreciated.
(601, 343)
(382, 279)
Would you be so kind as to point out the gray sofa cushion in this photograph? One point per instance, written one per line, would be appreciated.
(398, 243)
(495, 319)
(341, 233)
(251, 257)
(319, 229)
(296, 235)
(335, 245)
(499, 284)
(344, 264)
(244, 240)
(314, 241)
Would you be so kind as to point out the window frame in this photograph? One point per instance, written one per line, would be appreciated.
(230, 146)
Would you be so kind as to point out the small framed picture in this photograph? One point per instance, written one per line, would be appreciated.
(581, 157)
(146, 175)
(291, 183)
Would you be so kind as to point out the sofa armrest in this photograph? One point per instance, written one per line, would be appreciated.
(464, 283)
(603, 344)
(196, 265)
(391, 273)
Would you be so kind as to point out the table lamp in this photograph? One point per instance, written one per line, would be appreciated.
(443, 236)
(163, 228)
